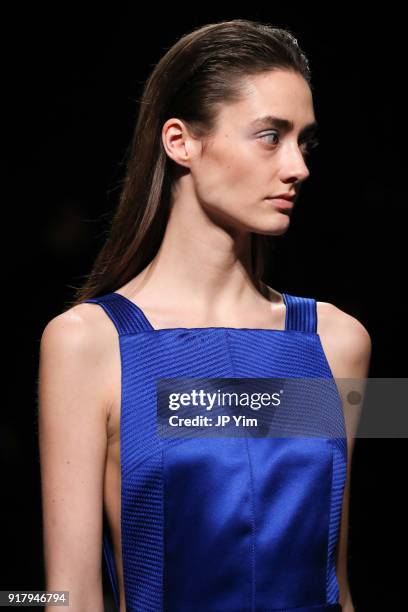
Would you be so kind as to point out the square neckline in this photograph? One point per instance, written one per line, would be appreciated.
(222, 327)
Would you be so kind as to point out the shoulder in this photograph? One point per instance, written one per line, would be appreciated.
(345, 340)
(83, 329)
(80, 345)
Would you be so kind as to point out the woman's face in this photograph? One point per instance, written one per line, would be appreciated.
(249, 159)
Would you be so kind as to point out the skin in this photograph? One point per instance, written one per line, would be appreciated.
(203, 271)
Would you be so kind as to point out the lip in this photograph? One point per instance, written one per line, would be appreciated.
(281, 203)
(284, 196)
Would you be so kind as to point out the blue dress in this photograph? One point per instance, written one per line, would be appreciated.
(238, 524)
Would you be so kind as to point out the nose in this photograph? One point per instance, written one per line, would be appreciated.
(293, 164)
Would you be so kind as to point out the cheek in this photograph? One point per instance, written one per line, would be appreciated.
(232, 174)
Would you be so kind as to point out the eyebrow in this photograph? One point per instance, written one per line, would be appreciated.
(283, 124)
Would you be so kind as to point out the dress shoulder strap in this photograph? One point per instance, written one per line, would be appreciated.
(301, 313)
(127, 317)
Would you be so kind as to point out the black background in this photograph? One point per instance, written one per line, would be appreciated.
(72, 74)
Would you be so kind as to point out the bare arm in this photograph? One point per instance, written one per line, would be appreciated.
(347, 345)
(73, 442)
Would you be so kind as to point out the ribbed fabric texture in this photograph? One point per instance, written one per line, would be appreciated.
(301, 313)
(148, 355)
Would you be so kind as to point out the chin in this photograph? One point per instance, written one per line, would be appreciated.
(273, 229)
(278, 231)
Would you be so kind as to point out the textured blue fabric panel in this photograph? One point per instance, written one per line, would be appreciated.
(339, 477)
(300, 313)
(127, 317)
(247, 524)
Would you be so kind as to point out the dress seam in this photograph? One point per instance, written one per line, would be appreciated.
(329, 524)
(253, 528)
(252, 493)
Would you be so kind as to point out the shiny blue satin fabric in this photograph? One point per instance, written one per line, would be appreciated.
(224, 524)
(246, 521)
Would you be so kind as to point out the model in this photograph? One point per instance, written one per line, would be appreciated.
(199, 524)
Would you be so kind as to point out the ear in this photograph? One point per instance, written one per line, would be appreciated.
(179, 144)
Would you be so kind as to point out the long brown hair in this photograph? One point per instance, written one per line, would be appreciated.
(204, 69)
